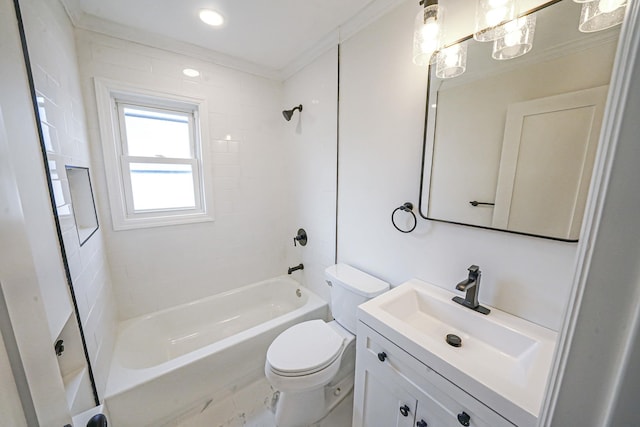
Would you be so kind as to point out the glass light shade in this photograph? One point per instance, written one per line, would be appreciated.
(601, 14)
(517, 39)
(452, 61)
(427, 34)
(490, 14)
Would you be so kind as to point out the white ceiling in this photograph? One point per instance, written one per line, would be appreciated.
(271, 34)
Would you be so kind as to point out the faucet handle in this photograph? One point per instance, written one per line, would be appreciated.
(301, 237)
(474, 269)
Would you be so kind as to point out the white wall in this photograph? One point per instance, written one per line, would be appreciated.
(160, 267)
(52, 52)
(311, 149)
(602, 365)
(382, 102)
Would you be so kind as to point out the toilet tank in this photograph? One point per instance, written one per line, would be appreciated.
(351, 287)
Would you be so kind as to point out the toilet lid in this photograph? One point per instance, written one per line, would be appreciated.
(305, 348)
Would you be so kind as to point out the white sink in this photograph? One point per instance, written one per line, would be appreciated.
(503, 361)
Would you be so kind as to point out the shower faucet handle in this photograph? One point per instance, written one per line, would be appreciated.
(301, 237)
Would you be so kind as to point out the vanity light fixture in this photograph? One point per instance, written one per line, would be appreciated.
(427, 32)
(451, 61)
(190, 72)
(517, 39)
(490, 15)
(211, 17)
(497, 21)
(599, 15)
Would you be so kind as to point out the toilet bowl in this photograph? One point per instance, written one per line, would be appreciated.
(312, 363)
(301, 362)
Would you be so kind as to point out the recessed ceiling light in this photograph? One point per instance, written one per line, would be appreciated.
(190, 72)
(211, 17)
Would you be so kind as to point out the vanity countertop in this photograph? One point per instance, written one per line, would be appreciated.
(504, 361)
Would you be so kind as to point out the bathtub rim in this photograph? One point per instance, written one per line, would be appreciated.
(122, 379)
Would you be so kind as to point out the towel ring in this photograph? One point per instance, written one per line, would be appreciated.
(407, 207)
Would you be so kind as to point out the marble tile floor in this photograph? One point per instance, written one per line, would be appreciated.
(251, 406)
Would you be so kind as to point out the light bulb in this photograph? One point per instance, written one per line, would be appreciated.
(429, 45)
(211, 17)
(490, 14)
(513, 31)
(451, 56)
(517, 39)
(496, 16)
(190, 72)
(511, 39)
(430, 29)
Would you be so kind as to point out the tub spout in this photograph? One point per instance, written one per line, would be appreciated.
(297, 267)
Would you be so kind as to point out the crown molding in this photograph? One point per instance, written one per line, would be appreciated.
(94, 24)
(367, 15)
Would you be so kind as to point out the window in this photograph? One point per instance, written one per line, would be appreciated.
(153, 157)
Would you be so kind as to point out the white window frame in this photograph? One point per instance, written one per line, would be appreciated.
(111, 98)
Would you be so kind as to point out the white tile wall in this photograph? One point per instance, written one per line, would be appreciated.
(160, 267)
(382, 101)
(311, 141)
(52, 50)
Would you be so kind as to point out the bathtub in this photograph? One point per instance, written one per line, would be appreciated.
(169, 362)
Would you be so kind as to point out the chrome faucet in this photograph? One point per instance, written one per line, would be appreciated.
(472, 288)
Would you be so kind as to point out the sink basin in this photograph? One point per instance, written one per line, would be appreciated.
(488, 342)
(503, 361)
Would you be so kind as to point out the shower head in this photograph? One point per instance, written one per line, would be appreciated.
(288, 113)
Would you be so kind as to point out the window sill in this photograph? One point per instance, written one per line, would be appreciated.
(162, 221)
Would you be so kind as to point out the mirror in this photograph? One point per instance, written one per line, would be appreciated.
(510, 144)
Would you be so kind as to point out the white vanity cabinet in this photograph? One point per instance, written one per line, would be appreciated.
(392, 388)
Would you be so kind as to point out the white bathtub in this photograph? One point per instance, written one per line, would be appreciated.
(167, 362)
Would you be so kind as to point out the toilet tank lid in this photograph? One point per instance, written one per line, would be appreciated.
(355, 280)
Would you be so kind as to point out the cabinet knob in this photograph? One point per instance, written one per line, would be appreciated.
(464, 419)
(421, 423)
(382, 356)
(404, 410)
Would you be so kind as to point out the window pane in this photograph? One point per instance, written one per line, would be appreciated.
(161, 186)
(157, 134)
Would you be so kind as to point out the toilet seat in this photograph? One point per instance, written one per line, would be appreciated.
(304, 349)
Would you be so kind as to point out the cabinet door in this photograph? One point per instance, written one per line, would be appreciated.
(387, 378)
(437, 409)
(379, 399)
(434, 414)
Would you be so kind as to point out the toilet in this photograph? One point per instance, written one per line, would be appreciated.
(312, 363)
